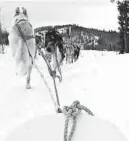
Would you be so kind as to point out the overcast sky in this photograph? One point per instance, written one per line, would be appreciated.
(101, 14)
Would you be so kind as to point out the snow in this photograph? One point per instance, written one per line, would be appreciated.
(99, 80)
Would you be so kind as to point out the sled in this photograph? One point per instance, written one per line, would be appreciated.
(51, 128)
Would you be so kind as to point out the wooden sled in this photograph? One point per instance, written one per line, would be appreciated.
(51, 128)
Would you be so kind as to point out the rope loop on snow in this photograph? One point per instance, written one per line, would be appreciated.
(72, 112)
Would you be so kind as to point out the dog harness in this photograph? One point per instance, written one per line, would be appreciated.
(25, 37)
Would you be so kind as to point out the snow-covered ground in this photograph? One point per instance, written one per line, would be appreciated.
(99, 80)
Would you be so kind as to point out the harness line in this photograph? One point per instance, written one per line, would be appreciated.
(57, 107)
(53, 74)
(58, 66)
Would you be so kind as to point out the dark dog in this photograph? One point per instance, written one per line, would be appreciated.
(38, 40)
(76, 52)
(53, 39)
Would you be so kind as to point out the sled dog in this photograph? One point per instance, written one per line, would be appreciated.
(22, 42)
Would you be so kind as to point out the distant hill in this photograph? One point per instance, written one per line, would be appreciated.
(88, 38)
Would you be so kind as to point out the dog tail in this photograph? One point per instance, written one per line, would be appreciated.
(23, 60)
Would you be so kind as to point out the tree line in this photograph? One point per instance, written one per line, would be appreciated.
(107, 40)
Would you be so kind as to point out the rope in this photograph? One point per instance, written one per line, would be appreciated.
(53, 74)
(50, 92)
(72, 112)
(56, 91)
(58, 66)
(57, 107)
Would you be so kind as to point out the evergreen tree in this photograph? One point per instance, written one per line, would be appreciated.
(4, 35)
(123, 20)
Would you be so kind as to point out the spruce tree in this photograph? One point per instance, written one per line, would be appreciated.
(123, 20)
